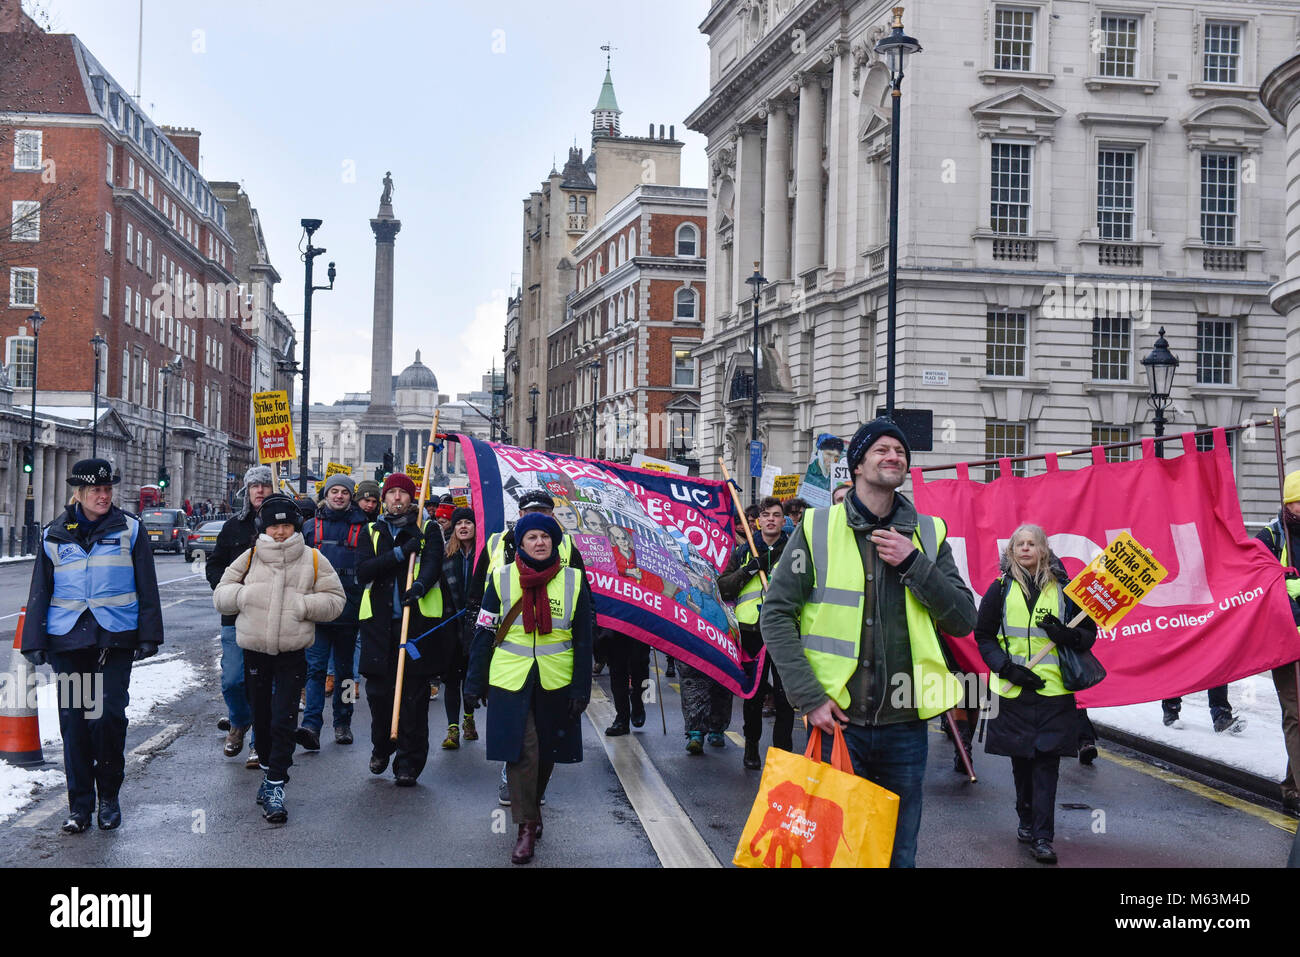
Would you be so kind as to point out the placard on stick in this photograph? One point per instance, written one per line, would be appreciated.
(1116, 581)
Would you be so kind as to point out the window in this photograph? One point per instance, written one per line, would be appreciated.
(622, 249)
(139, 249)
(108, 163)
(598, 264)
(27, 149)
(613, 255)
(1222, 52)
(1119, 56)
(687, 240)
(1112, 348)
(22, 287)
(130, 234)
(107, 289)
(582, 204)
(1013, 39)
(1010, 202)
(138, 310)
(126, 306)
(683, 369)
(1215, 351)
(149, 190)
(573, 204)
(1219, 199)
(1108, 434)
(25, 224)
(130, 171)
(126, 375)
(148, 325)
(1005, 440)
(685, 304)
(20, 357)
(108, 232)
(148, 256)
(143, 385)
(1005, 343)
(1116, 172)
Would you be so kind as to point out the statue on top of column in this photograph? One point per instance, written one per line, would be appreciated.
(387, 198)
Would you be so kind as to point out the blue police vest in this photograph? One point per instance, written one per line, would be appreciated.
(102, 581)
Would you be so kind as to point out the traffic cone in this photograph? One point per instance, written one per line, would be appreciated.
(20, 729)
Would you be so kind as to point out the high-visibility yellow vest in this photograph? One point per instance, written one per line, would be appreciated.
(1278, 533)
(430, 604)
(835, 608)
(1022, 639)
(496, 548)
(553, 651)
(749, 601)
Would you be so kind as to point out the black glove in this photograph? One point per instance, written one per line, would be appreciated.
(412, 546)
(147, 649)
(1020, 675)
(1063, 635)
(577, 706)
(473, 702)
(413, 594)
(35, 658)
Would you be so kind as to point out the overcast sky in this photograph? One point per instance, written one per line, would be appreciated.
(307, 104)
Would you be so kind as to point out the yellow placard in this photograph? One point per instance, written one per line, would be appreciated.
(274, 424)
(334, 468)
(416, 473)
(785, 486)
(1116, 581)
(320, 487)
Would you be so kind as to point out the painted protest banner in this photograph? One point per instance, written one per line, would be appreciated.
(274, 426)
(1113, 583)
(653, 544)
(828, 468)
(1221, 614)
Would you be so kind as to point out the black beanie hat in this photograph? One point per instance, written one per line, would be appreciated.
(278, 509)
(460, 513)
(866, 437)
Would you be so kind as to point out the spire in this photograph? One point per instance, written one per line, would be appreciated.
(605, 115)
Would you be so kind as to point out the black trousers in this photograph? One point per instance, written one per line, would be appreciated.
(1219, 706)
(1087, 733)
(412, 748)
(752, 708)
(1036, 793)
(274, 684)
(629, 670)
(92, 719)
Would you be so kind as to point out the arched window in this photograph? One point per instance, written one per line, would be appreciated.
(631, 305)
(573, 204)
(687, 240)
(599, 266)
(613, 255)
(631, 242)
(582, 204)
(686, 304)
(622, 249)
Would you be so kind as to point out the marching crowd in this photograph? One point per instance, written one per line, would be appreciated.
(314, 596)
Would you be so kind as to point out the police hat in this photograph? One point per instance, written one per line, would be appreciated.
(536, 498)
(93, 472)
(278, 509)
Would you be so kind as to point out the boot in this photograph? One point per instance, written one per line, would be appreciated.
(110, 814)
(467, 729)
(452, 741)
(671, 670)
(619, 727)
(234, 742)
(523, 852)
(694, 742)
(1043, 852)
(751, 756)
(329, 685)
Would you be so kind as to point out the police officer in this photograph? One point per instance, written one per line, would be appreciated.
(93, 608)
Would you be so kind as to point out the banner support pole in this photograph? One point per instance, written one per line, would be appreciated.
(659, 690)
(744, 522)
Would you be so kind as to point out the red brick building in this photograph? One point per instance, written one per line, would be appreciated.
(112, 231)
(631, 330)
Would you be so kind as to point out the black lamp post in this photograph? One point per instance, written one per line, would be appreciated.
(895, 49)
(309, 256)
(97, 343)
(594, 368)
(320, 455)
(533, 393)
(757, 282)
(1161, 364)
(164, 477)
(36, 320)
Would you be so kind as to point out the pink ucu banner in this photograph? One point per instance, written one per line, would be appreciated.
(1221, 615)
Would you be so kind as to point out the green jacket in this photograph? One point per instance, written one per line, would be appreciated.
(938, 585)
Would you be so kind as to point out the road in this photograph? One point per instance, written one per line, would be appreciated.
(636, 801)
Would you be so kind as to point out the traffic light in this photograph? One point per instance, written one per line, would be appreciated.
(27, 459)
(163, 477)
(388, 463)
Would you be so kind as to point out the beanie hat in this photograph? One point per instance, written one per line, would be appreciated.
(462, 513)
(537, 498)
(333, 480)
(531, 521)
(445, 511)
(399, 480)
(306, 505)
(367, 488)
(278, 509)
(1291, 488)
(867, 436)
(259, 475)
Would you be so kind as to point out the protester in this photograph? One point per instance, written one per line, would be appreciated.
(1282, 536)
(337, 530)
(841, 492)
(276, 590)
(382, 567)
(793, 509)
(1221, 715)
(837, 655)
(741, 583)
(457, 575)
(236, 535)
(629, 673)
(93, 609)
(367, 497)
(706, 709)
(539, 674)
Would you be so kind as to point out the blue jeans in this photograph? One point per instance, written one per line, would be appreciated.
(893, 756)
(232, 680)
(340, 640)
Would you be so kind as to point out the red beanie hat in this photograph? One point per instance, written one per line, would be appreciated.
(445, 511)
(399, 480)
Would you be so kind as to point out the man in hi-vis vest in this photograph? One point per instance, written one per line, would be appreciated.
(849, 620)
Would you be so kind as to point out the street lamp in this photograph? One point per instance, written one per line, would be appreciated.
(36, 320)
(320, 455)
(895, 49)
(534, 392)
(594, 368)
(309, 257)
(757, 282)
(164, 477)
(1161, 364)
(97, 343)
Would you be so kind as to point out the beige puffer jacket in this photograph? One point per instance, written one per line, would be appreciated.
(280, 597)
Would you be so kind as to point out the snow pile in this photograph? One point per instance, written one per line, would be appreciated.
(19, 785)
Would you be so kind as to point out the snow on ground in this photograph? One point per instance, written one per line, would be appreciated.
(1258, 749)
(153, 682)
(17, 558)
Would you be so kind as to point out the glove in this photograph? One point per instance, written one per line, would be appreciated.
(35, 658)
(473, 702)
(1020, 675)
(413, 594)
(147, 649)
(577, 706)
(1063, 635)
(412, 546)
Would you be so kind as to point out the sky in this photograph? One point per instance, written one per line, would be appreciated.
(307, 104)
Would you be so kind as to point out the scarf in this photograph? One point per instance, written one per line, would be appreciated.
(536, 603)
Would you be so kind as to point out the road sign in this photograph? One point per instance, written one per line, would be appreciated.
(756, 458)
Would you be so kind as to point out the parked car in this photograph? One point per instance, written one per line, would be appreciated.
(166, 528)
(202, 539)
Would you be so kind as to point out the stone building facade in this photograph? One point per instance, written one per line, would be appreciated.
(1074, 176)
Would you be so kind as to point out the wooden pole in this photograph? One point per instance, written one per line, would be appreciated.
(410, 577)
(659, 690)
(744, 522)
(961, 748)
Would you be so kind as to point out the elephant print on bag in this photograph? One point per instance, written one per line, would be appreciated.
(802, 826)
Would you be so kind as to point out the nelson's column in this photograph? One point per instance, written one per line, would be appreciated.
(379, 422)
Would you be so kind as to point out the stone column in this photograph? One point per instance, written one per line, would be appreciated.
(380, 417)
(1280, 94)
(808, 177)
(776, 200)
(45, 499)
(749, 210)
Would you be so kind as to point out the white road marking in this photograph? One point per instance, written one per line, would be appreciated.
(42, 813)
(144, 750)
(176, 602)
(672, 834)
(174, 580)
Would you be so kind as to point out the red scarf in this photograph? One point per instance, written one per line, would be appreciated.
(536, 603)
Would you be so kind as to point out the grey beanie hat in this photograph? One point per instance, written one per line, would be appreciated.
(259, 475)
(340, 479)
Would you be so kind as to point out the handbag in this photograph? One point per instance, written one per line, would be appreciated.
(1080, 670)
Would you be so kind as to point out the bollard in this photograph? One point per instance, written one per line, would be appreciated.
(20, 729)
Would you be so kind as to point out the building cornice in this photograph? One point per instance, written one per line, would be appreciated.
(1280, 90)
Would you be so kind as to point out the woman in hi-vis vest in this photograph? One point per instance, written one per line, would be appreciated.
(1033, 718)
(536, 678)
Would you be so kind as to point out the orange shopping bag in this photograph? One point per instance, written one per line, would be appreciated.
(809, 814)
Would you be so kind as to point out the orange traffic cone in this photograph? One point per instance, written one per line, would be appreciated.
(20, 729)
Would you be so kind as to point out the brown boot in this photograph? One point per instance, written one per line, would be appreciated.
(234, 741)
(523, 852)
(329, 685)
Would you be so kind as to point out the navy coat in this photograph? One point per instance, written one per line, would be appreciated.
(380, 633)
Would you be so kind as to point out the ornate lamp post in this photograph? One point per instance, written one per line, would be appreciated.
(164, 477)
(594, 368)
(756, 282)
(35, 320)
(1161, 364)
(97, 343)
